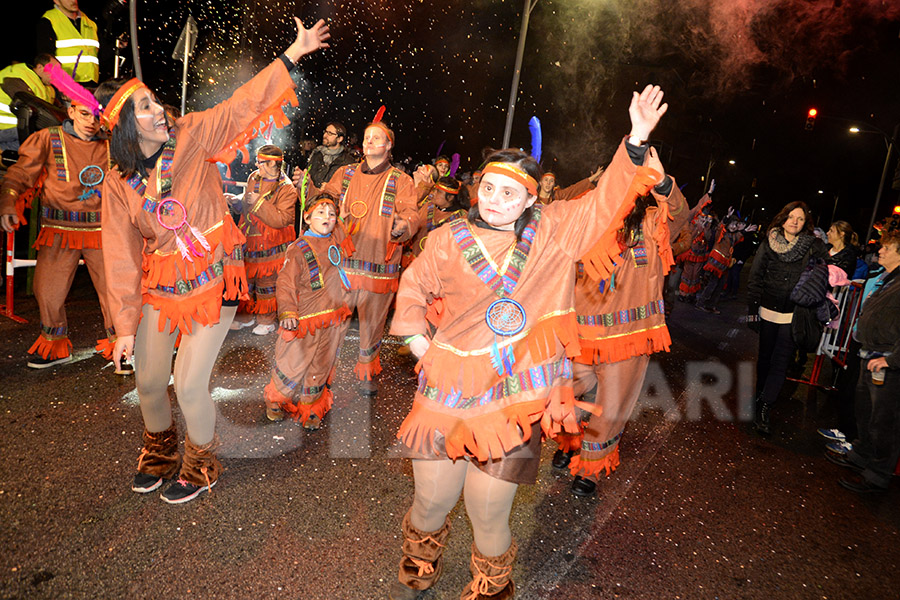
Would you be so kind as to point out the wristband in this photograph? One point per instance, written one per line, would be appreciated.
(408, 340)
(635, 140)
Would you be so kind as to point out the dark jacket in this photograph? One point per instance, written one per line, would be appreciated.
(845, 259)
(878, 328)
(321, 173)
(772, 278)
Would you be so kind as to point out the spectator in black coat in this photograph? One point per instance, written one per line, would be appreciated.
(842, 251)
(781, 258)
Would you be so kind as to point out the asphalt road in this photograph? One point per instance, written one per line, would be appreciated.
(700, 507)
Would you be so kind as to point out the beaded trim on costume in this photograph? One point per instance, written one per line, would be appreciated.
(289, 383)
(538, 377)
(59, 153)
(639, 251)
(315, 277)
(266, 292)
(598, 446)
(269, 252)
(363, 265)
(627, 315)
(54, 332)
(183, 286)
(370, 351)
(503, 285)
(72, 216)
(163, 178)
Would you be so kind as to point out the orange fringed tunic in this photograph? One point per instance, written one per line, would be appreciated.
(624, 316)
(369, 201)
(54, 159)
(268, 223)
(309, 290)
(142, 259)
(461, 398)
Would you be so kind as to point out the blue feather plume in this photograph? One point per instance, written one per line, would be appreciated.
(536, 139)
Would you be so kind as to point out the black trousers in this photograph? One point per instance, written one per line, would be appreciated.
(877, 447)
(776, 350)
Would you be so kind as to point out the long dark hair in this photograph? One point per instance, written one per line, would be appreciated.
(124, 144)
(782, 217)
(530, 166)
(634, 223)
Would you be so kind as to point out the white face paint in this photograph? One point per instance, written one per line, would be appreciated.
(502, 200)
(376, 144)
(322, 219)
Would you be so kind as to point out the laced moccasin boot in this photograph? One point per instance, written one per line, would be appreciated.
(199, 472)
(491, 575)
(159, 460)
(422, 561)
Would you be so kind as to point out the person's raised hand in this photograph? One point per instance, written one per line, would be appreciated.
(646, 110)
(308, 40)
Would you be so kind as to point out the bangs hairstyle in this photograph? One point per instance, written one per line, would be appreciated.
(782, 217)
(525, 162)
(124, 143)
(323, 198)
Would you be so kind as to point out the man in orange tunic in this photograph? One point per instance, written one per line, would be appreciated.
(70, 162)
(267, 221)
(378, 203)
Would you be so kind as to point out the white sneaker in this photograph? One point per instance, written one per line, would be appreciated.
(835, 435)
(841, 448)
(262, 329)
(237, 325)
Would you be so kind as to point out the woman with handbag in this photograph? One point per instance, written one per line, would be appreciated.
(780, 261)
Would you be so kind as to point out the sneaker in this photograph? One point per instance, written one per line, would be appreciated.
(181, 491)
(38, 362)
(262, 329)
(144, 483)
(841, 448)
(274, 414)
(835, 435)
(125, 370)
(238, 325)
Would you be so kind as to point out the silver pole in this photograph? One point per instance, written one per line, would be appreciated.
(187, 47)
(884, 172)
(511, 108)
(132, 18)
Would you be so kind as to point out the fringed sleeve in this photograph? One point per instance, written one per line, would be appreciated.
(122, 258)
(26, 173)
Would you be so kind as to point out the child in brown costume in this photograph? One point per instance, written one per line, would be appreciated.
(313, 312)
(267, 220)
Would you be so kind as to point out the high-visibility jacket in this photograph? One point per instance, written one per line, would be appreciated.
(70, 41)
(32, 80)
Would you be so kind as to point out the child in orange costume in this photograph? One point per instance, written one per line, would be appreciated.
(312, 311)
(497, 374)
(267, 220)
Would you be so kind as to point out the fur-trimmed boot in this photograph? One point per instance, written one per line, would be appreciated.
(159, 460)
(422, 560)
(199, 472)
(491, 575)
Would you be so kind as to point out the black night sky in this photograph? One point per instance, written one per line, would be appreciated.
(739, 76)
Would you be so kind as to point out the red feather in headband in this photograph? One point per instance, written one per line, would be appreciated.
(379, 114)
(75, 91)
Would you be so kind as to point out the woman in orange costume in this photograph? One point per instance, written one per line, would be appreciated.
(267, 221)
(621, 322)
(448, 200)
(174, 252)
(497, 373)
(312, 311)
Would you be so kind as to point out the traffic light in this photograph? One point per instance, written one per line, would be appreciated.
(811, 119)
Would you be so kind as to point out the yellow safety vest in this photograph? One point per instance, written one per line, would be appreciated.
(70, 41)
(32, 80)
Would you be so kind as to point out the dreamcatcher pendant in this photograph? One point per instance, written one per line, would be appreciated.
(172, 215)
(90, 177)
(334, 257)
(504, 317)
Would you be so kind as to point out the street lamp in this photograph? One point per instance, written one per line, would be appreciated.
(889, 142)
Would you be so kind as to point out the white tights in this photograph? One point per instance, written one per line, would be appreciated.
(196, 356)
(488, 501)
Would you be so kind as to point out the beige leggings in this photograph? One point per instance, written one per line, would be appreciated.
(488, 501)
(196, 356)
